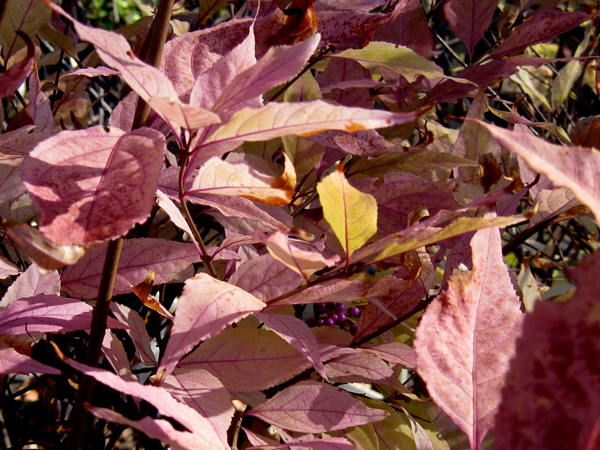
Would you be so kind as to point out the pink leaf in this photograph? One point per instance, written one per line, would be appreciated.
(91, 185)
(276, 67)
(335, 291)
(243, 208)
(165, 258)
(199, 433)
(116, 355)
(205, 393)
(265, 277)
(541, 26)
(147, 81)
(247, 359)
(92, 72)
(304, 262)
(175, 215)
(576, 168)
(240, 178)
(137, 331)
(297, 334)
(302, 119)
(362, 368)
(552, 394)
(31, 283)
(470, 19)
(394, 352)
(12, 361)
(160, 429)
(7, 268)
(47, 314)
(11, 79)
(313, 407)
(205, 307)
(328, 443)
(466, 338)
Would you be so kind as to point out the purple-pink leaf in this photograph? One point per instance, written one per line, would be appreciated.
(314, 407)
(247, 359)
(7, 268)
(92, 72)
(394, 352)
(576, 168)
(200, 432)
(541, 26)
(467, 336)
(240, 178)
(11, 79)
(265, 277)
(165, 258)
(147, 81)
(47, 314)
(31, 283)
(276, 67)
(362, 368)
(552, 394)
(303, 119)
(409, 28)
(12, 361)
(137, 331)
(328, 443)
(92, 185)
(297, 334)
(470, 19)
(160, 429)
(205, 307)
(116, 355)
(304, 262)
(206, 394)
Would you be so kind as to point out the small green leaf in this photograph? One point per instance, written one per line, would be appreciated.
(351, 213)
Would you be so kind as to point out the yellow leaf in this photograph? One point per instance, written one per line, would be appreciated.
(351, 213)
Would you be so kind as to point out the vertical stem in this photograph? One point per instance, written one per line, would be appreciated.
(99, 318)
(151, 53)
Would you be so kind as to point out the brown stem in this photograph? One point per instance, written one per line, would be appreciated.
(188, 217)
(99, 318)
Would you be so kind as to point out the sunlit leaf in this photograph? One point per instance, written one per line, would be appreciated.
(313, 407)
(351, 213)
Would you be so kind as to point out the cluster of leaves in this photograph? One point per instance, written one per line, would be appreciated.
(165, 246)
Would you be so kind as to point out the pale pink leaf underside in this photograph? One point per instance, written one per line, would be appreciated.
(314, 407)
(47, 314)
(576, 168)
(205, 307)
(265, 277)
(30, 283)
(147, 81)
(303, 119)
(138, 256)
(247, 359)
(11, 79)
(7, 268)
(91, 185)
(206, 394)
(297, 334)
(13, 362)
(328, 443)
(466, 338)
(304, 262)
(200, 430)
(394, 352)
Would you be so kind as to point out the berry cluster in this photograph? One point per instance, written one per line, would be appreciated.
(333, 315)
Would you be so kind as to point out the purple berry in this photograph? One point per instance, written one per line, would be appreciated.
(334, 317)
(341, 317)
(310, 322)
(329, 322)
(319, 322)
(336, 326)
(354, 327)
(338, 307)
(353, 311)
(321, 308)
